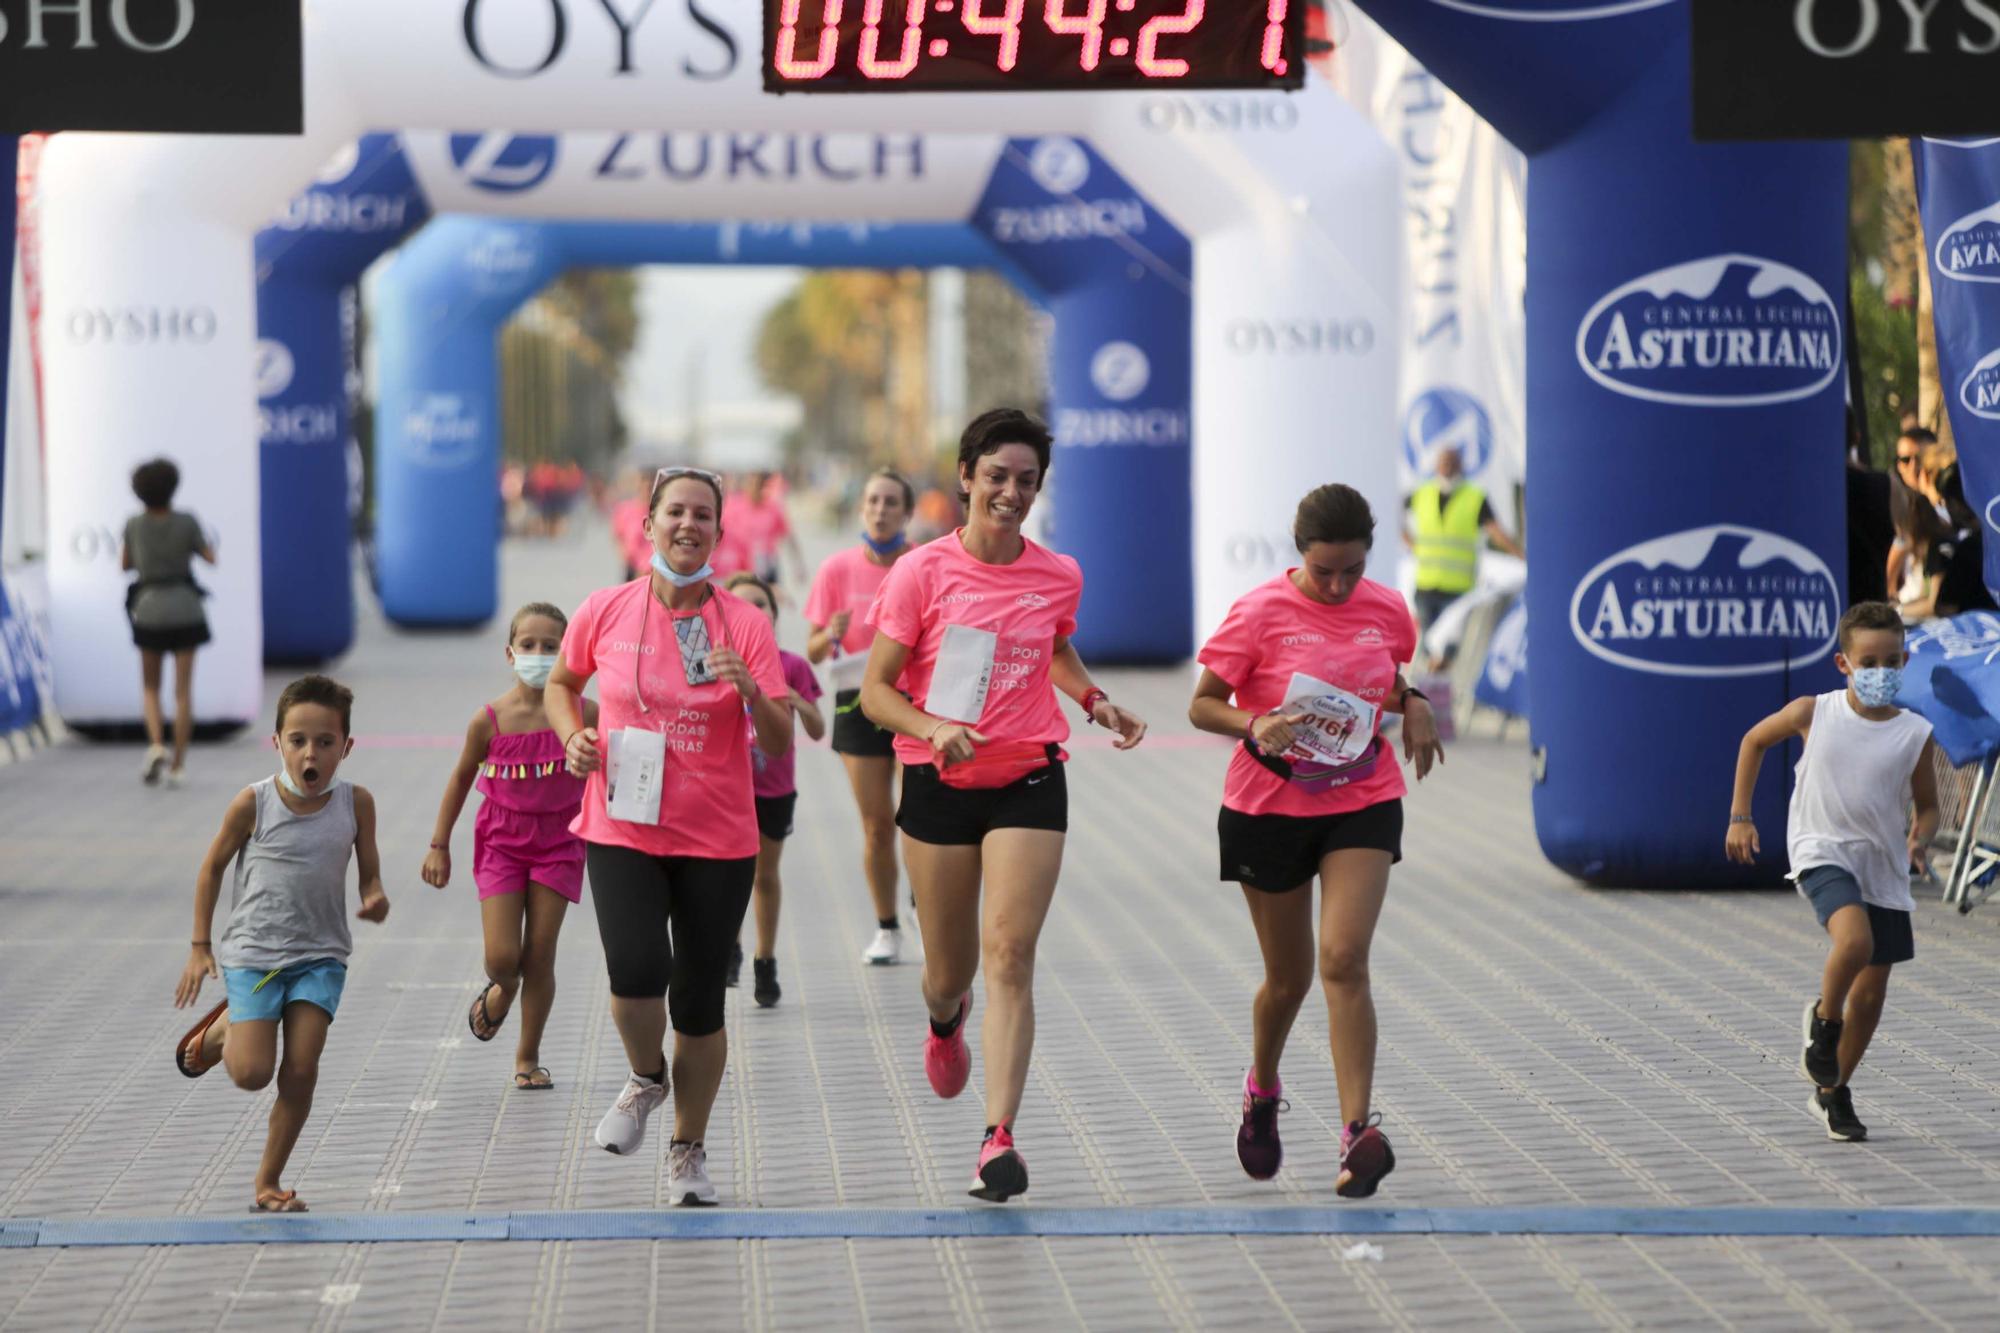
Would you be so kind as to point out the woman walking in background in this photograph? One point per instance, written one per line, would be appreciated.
(164, 606)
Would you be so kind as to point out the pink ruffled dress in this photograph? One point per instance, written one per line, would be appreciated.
(522, 833)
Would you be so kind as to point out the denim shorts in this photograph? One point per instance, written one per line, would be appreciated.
(255, 994)
(1830, 888)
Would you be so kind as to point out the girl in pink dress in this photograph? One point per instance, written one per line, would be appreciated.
(526, 862)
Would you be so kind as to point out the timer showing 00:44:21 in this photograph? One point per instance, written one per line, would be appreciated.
(1031, 45)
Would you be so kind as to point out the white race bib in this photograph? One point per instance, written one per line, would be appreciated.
(1338, 728)
(963, 674)
(844, 671)
(634, 768)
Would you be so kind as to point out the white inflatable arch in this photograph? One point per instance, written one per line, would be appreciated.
(150, 324)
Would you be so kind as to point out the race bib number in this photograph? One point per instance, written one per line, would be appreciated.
(963, 674)
(1338, 728)
(634, 769)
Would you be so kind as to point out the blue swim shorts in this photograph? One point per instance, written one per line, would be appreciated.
(259, 995)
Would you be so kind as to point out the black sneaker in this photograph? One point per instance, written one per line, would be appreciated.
(1820, 1060)
(735, 964)
(766, 991)
(1257, 1145)
(1836, 1111)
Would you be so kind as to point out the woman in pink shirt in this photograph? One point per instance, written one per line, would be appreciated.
(972, 644)
(837, 610)
(1313, 660)
(669, 818)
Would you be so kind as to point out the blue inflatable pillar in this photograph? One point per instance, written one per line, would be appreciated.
(306, 262)
(1686, 522)
(8, 147)
(1117, 279)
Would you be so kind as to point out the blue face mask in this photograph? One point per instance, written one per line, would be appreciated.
(1877, 687)
(666, 571)
(534, 668)
(889, 547)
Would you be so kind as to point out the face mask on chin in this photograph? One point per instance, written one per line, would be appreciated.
(679, 580)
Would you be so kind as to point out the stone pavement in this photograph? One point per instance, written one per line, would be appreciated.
(1544, 1046)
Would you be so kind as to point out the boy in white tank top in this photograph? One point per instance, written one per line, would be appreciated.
(282, 954)
(1850, 841)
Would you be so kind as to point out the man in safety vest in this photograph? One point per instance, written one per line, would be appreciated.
(1444, 519)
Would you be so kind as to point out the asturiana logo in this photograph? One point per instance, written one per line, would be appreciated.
(1034, 601)
(1369, 637)
(1726, 331)
(1969, 250)
(1722, 600)
(1979, 393)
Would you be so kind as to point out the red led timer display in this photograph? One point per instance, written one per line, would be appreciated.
(852, 46)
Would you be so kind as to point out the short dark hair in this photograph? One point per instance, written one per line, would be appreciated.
(549, 609)
(318, 690)
(909, 491)
(1869, 615)
(155, 482)
(1920, 434)
(988, 431)
(1333, 513)
(744, 578)
(660, 480)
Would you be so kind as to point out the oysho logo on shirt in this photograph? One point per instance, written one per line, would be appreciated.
(628, 646)
(1730, 330)
(1034, 601)
(1294, 640)
(1722, 600)
(952, 598)
(1369, 637)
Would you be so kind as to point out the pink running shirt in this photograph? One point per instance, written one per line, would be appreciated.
(1029, 604)
(778, 777)
(1275, 630)
(705, 806)
(847, 581)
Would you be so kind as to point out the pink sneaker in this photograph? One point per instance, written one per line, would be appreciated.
(1365, 1158)
(946, 1061)
(1002, 1173)
(1257, 1146)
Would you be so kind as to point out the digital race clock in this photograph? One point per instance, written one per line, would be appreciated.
(852, 46)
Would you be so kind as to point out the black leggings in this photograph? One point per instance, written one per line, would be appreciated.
(669, 925)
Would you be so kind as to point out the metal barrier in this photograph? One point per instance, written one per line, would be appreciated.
(1470, 661)
(1969, 822)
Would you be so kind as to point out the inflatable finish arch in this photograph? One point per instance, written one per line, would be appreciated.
(1291, 314)
(1686, 535)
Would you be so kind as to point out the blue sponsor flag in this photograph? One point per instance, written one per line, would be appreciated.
(20, 700)
(1958, 193)
(1503, 681)
(1953, 680)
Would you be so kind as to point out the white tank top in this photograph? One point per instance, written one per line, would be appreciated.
(1850, 807)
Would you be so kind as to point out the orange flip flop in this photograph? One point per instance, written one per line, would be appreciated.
(279, 1201)
(191, 1064)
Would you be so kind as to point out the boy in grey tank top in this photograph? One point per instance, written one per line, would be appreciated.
(283, 951)
(1851, 845)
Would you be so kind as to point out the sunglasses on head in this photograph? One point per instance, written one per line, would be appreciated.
(667, 474)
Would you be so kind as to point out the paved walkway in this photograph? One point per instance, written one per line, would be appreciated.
(1547, 1051)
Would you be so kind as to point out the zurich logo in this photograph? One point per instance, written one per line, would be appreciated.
(504, 163)
(1120, 371)
(274, 367)
(1969, 250)
(1447, 418)
(1551, 11)
(1715, 601)
(1726, 331)
(1060, 166)
(1979, 394)
(439, 432)
(340, 166)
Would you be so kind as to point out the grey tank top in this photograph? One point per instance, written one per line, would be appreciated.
(289, 903)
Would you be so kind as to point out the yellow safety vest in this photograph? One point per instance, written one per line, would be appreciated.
(1447, 536)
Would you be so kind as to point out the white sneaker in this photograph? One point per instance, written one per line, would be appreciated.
(156, 762)
(176, 778)
(687, 1175)
(623, 1128)
(886, 948)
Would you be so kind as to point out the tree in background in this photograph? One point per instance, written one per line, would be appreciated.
(562, 360)
(1889, 289)
(853, 346)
